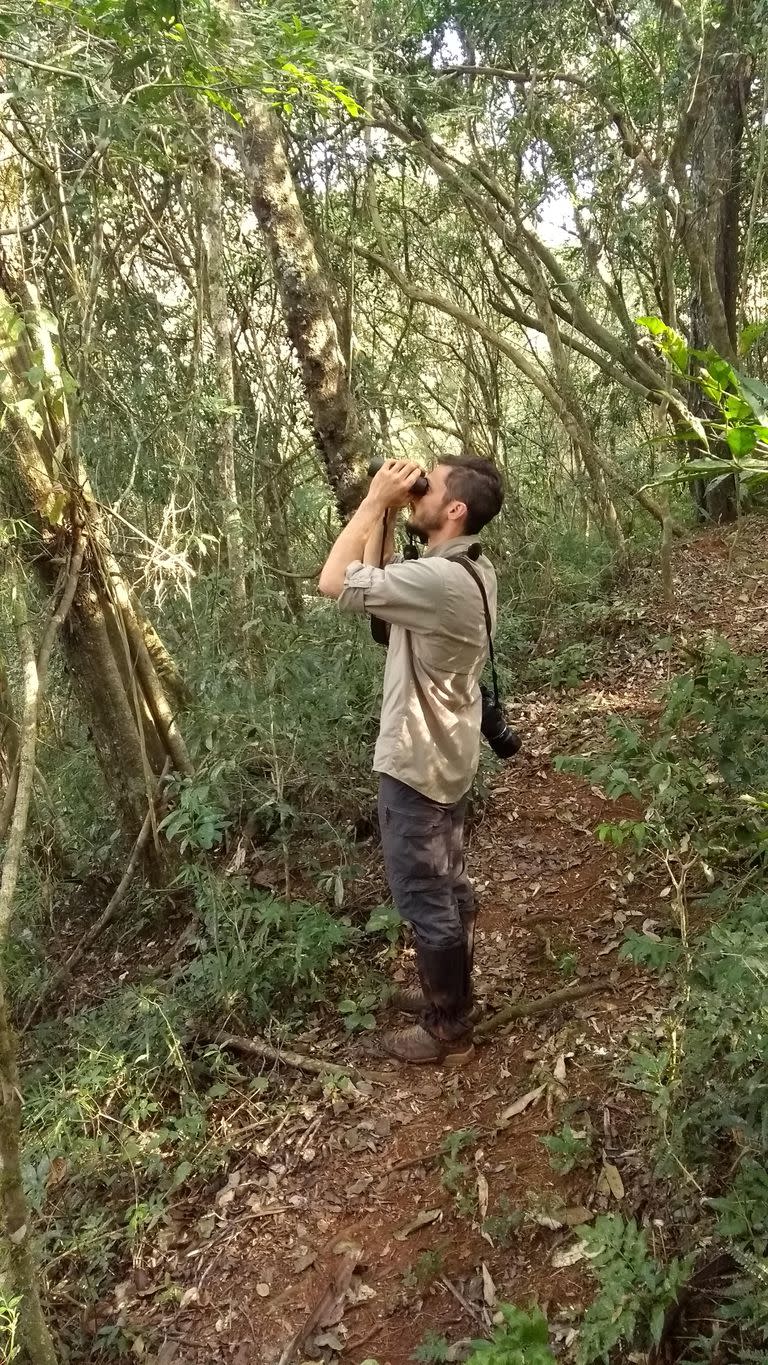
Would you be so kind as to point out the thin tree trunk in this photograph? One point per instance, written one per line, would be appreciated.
(224, 424)
(36, 1339)
(307, 305)
(108, 646)
(9, 734)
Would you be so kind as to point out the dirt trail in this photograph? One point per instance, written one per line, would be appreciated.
(342, 1183)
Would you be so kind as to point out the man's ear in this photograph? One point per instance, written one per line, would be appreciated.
(457, 511)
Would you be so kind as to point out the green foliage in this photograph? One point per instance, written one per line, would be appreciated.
(570, 666)
(569, 1148)
(701, 770)
(567, 963)
(357, 1013)
(195, 821)
(427, 1267)
(522, 1339)
(9, 1326)
(701, 773)
(456, 1175)
(501, 1225)
(256, 956)
(385, 920)
(740, 404)
(635, 1289)
(650, 951)
(433, 1350)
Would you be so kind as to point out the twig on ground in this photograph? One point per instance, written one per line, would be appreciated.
(330, 1298)
(466, 1305)
(525, 1009)
(256, 1047)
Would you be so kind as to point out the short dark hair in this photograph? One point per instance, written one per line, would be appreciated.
(477, 483)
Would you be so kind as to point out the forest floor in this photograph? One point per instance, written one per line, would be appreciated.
(371, 1214)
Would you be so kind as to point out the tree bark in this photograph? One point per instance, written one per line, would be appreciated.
(106, 647)
(9, 735)
(36, 1341)
(711, 186)
(307, 306)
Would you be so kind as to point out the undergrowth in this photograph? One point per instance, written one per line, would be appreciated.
(700, 774)
(127, 1107)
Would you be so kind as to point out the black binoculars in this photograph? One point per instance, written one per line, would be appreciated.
(418, 489)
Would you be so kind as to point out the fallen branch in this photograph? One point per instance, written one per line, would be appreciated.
(526, 1009)
(255, 1047)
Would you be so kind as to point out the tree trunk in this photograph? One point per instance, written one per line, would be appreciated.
(108, 646)
(713, 231)
(307, 306)
(224, 422)
(36, 1341)
(265, 437)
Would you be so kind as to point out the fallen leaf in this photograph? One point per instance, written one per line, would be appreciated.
(330, 1340)
(519, 1106)
(610, 947)
(489, 1288)
(359, 1292)
(568, 1256)
(304, 1261)
(577, 1215)
(189, 1296)
(610, 1181)
(546, 1220)
(57, 1171)
(482, 1194)
(422, 1220)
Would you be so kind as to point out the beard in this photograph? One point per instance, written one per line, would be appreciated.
(416, 531)
(422, 526)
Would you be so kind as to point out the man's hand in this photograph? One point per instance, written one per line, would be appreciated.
(391, 486)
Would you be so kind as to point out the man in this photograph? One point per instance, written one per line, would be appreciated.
(429, 739)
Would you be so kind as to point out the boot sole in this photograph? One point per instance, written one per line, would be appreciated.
(453, 1060)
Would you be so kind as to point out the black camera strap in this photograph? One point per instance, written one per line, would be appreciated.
(466, 563)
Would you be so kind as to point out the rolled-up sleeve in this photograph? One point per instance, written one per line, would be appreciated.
(410, 594)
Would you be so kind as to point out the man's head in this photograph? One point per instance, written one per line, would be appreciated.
(464, 494)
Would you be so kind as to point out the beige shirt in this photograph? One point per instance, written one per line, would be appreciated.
(429, 736)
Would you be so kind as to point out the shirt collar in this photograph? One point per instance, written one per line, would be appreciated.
(459, 545)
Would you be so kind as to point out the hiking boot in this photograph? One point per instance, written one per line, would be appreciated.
(420, 1048)
(411, 1001)
(414, 1002)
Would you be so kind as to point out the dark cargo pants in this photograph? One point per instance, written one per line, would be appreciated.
(423, 846)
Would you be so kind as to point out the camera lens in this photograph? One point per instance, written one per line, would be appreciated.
(504, 741)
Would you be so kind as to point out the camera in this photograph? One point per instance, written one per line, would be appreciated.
(504, 741)
(418, 489)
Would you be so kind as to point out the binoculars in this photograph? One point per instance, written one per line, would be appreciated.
(418, 489)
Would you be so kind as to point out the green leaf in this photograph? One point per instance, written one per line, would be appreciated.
(751, 333)
(741, 439)
(654, 325)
